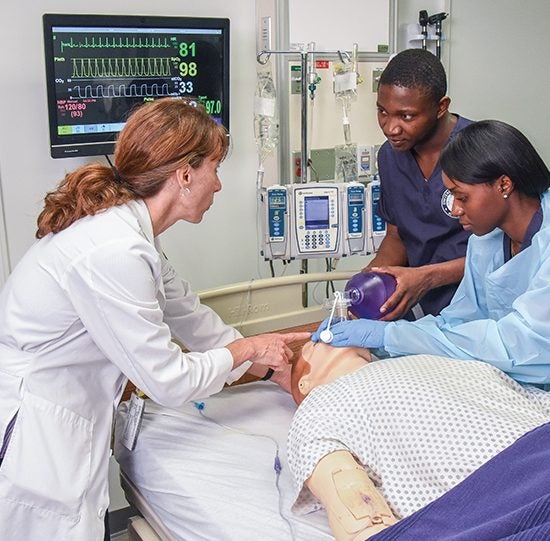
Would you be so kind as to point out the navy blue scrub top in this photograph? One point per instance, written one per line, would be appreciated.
(533, 228)
(421, 211)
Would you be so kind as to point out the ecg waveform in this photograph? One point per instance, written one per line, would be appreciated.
(120, 67)
(117, 43)
(118, 91)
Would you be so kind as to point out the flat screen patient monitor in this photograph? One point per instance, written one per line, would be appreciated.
(99, 67)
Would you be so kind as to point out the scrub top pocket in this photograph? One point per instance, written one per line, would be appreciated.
(46, 467)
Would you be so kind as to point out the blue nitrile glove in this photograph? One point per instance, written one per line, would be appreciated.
(364, 333)
(315, 336)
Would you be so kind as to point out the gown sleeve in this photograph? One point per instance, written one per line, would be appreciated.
(500, 316)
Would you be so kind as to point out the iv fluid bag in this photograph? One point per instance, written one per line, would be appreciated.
(345, 163)
(367, 292)
(344, 82)
(266, 123)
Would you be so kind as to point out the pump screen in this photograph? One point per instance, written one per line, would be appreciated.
(317, 212)
(277, 201)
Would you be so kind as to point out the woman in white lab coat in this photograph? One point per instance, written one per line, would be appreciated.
(94, 303)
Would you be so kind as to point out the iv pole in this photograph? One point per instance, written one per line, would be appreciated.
(305, 57)
(262, 58)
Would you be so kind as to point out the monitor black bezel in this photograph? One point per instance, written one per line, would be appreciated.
(97, 144)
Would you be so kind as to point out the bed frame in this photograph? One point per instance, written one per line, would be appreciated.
(145, 526)
(271, 304)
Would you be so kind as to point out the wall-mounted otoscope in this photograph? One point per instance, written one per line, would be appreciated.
(423, 22)
(436, 20)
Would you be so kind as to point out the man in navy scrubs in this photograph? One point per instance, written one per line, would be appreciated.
(424, 247)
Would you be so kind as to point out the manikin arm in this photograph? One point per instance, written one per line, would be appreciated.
(356, 510)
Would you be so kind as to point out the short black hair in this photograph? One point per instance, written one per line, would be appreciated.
(417, 68)
(484, 151)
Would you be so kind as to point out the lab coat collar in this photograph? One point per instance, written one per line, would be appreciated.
(141, 212)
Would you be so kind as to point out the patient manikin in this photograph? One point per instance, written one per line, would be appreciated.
(356, 510)
(373, 442)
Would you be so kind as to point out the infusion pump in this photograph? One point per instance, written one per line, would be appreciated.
(320, 219)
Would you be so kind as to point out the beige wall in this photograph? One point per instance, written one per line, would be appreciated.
(499, 64)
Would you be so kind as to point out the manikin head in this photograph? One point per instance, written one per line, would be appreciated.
(321, 363)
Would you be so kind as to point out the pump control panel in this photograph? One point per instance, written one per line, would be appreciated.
(277, 218)
(377, 224)
(320, 219)
(317, 219)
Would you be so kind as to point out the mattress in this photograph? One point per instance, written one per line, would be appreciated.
(207, 471)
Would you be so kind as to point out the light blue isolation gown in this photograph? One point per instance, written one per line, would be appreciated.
(500, 313)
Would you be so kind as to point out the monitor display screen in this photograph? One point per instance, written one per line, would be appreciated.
(100, 67)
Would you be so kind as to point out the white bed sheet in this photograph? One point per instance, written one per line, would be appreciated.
(208, 483)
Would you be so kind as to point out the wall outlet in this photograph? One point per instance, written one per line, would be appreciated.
(322, 165)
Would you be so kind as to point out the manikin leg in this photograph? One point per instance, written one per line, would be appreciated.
(355, 508)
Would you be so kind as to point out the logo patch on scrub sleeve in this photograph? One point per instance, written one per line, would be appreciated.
(447, 199)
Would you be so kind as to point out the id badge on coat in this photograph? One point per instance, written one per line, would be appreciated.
(133, 422)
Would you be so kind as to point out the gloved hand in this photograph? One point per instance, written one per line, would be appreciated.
(315, 337)
(365, 333)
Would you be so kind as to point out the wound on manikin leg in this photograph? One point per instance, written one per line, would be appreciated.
(355, 508)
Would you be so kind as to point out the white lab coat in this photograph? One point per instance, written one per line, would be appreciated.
(85, 310)
(500, 313)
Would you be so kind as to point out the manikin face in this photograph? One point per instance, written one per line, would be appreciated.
(321, 363)
(480, 208)
(407, 116)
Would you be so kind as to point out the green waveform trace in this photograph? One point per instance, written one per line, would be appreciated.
(121, 43)
(120, 67)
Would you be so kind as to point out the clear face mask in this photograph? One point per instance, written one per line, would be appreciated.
(338, 313)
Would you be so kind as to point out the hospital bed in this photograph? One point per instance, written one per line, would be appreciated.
(216, 479)
(216, 469)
